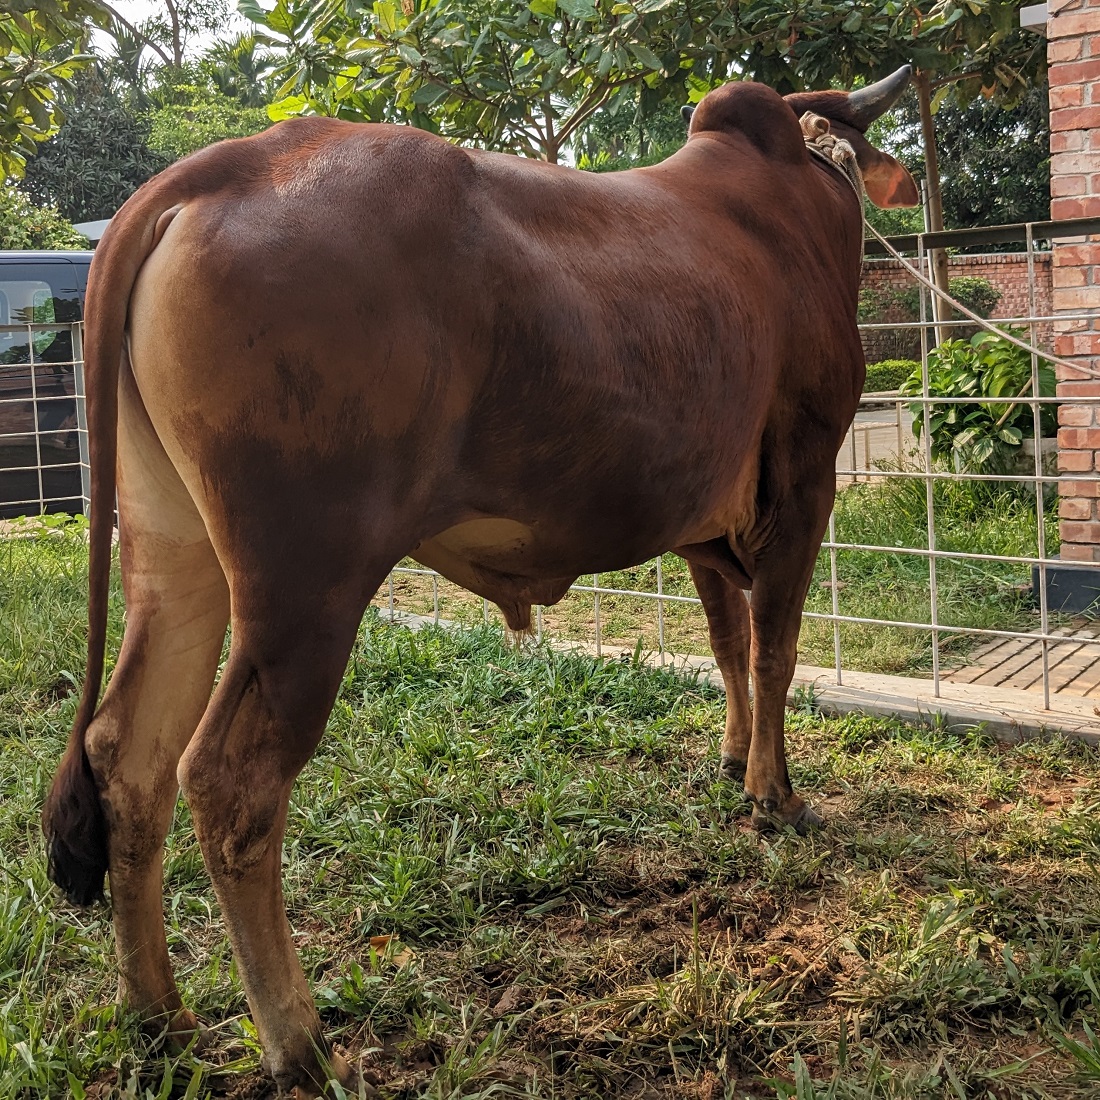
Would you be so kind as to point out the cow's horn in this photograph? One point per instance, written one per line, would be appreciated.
(876, 99)
(686, 111)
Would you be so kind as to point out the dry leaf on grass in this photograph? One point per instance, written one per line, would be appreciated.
(402, 956)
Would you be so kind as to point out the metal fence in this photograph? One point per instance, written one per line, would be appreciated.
(43, 431)
(926, 569)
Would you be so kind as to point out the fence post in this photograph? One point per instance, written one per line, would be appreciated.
(1073, 50)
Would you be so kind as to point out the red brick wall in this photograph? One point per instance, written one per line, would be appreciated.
(1006, 271)
(1073, 50)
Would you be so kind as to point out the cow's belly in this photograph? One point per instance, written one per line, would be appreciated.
(507, 562)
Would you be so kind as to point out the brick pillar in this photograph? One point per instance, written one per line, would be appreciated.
(1073, 51)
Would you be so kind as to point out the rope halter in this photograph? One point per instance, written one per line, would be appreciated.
(837, 153)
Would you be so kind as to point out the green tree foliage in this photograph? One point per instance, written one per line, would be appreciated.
(528, 75)
(506, 74)
(221, 94)
(994, 162)
(198, 118)
(634, 131)
(24, 225)
(41, 50)
(99, 157)
(174, 24)
(964, 46)
(239, 71)
(127, 70)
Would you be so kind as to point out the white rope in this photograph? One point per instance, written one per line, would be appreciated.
(840, 155)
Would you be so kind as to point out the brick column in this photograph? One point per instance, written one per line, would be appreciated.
(1073, 51)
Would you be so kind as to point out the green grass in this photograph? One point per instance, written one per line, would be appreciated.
(577, 907)
(874, 585)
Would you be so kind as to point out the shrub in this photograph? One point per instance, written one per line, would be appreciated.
(889, 374)
(180, 128)
(979, 295)
(981, 437)
(24, 225)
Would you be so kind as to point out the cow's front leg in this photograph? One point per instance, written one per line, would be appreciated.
(728, 622)
(262, 726)
(776, 615)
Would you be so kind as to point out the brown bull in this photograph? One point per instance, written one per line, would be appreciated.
(313, 352)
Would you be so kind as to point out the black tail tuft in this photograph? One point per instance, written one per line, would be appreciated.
(75, 828)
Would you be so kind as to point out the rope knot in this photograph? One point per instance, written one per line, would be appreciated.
(816, 134)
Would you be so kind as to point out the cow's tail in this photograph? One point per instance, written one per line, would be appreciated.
(73, 818)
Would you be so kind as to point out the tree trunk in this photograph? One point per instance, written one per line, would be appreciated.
(940, 310)
(551, 144)
(177, 36)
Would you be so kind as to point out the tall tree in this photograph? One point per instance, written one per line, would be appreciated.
(168, 32)
(98, 158)
(994, 161)
(181, 20)
(42, 47)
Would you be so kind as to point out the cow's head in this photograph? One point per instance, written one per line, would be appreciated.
(747, 107)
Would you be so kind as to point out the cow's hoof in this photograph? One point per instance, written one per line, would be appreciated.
(731, 769)
(177, 1035)
(338, 1070)
(770, 816)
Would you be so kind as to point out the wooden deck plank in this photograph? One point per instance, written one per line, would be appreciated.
(1002, 673)
(1064, 660)
(992, 660)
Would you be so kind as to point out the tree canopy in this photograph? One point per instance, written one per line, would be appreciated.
(529, 75)
(42, 47)
(503, 74)
(994, 163)
(99, 157)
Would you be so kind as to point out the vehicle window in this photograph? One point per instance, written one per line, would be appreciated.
(36, 301)
(39, 447)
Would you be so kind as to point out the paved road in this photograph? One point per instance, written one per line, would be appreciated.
(878, 434)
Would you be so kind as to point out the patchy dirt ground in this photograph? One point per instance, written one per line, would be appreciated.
(515, 874)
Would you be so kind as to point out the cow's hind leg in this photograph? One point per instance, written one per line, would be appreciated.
(290, 644)
(177, 607)
(728, 621)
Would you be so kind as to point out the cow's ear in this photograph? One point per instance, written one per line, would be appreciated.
(888, 183)
(686, 111)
